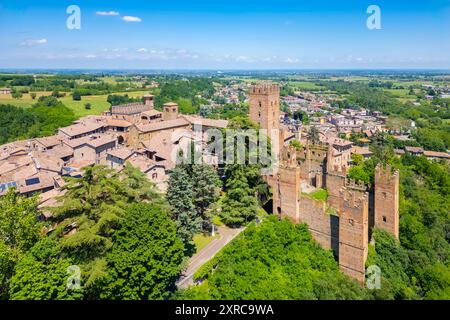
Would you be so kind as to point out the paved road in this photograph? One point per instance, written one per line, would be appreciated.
(206, 254)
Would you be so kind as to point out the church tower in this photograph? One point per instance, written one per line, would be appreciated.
(265, 106)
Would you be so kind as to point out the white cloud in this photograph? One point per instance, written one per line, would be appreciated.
(33, 42)
(131, 19)
(91, 56)
(107, 13)
(291, 60)
(142, 50)
(243, 58)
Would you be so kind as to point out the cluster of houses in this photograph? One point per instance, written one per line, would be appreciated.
(135, 133)
(331, 126)
(150, 140)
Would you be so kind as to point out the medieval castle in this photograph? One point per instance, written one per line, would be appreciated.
(343, 222)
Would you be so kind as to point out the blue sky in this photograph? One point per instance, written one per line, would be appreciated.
(229, 34)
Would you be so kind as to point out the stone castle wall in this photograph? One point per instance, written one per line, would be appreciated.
(323, 226)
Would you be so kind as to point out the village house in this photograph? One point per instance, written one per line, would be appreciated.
(5, 91)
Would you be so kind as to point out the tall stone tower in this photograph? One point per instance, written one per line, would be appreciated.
(353, 233)
(386, 204)
(265, 105)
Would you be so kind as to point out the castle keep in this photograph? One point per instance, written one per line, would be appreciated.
(343, 221)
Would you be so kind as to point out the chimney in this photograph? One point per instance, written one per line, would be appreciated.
(148, 100)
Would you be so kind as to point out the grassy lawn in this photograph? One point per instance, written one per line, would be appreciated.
(201, 240)
(320, 194)
(98, 104)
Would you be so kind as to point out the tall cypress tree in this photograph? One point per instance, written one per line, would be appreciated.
(206, 187)
(240, 204)
(180, 196)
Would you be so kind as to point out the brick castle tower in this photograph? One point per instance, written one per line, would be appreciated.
(353, 233)
(387, 200)
(265, 105)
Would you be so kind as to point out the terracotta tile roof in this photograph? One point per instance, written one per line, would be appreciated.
(151, 113)
(61, 151)
(435, 154)
(80, 164)
(118, 123)
(44, 161)
(25, 172)
(162, 144)
(362, 150)
(93, 141)
(414, 149)
(143, 163)
(171, 104)
(130, 108)
(163, 125)
(214, 123)
(9, 165)
(82, 128)
(44, 180)
(50, 141)
(122, 153)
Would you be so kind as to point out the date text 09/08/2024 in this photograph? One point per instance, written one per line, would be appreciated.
(226, 310)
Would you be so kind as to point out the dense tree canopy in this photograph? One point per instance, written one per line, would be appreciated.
(43, 119)
(275, 260)
(42, 274)
(146, 256)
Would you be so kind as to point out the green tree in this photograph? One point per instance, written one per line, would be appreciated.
(146, 258)
(313, 135)
(275, 260)
(16, 94)
(206, 188)
(19, 225)
(76, 96)
(8, 260)
(240, 204)
(357, 159)
(180, 196)
(94, 205)
(41, 274)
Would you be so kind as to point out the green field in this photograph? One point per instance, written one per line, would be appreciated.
(305, 85)
(98, 103)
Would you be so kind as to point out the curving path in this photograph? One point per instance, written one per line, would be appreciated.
(206, 254)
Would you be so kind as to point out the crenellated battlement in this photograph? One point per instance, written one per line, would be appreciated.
(353, 199)
(265, 88)
(385, 174)
(356, 185)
